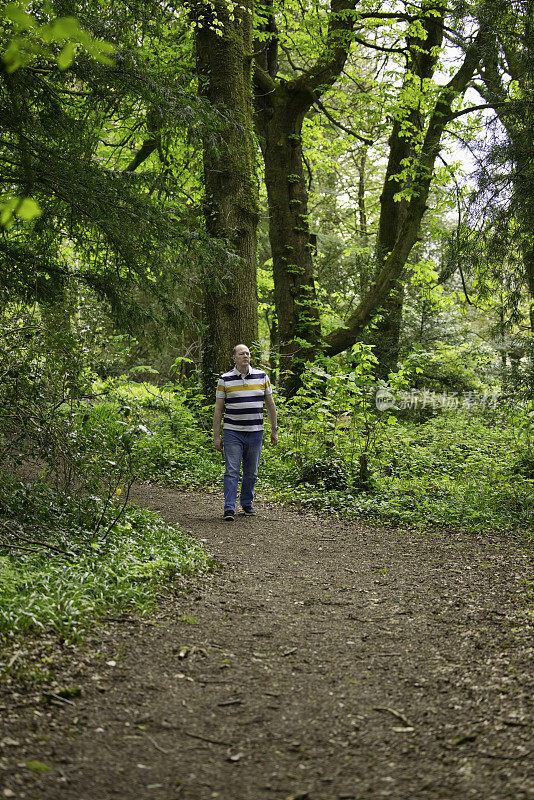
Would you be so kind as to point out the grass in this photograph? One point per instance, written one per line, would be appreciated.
(49, 591)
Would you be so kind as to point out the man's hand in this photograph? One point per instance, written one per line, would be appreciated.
(274, 438)
(218, 412)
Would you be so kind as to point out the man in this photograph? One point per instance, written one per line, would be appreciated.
(240, 396)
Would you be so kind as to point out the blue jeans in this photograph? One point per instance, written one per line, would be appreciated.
(241, 447)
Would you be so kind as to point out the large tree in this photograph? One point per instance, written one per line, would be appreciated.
(92, 143)
(419, 116)
(281, 106)
(423, 48)
(223, 48)
(507, 178)
(417, 181)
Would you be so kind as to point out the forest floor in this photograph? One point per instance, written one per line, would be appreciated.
(323, 659)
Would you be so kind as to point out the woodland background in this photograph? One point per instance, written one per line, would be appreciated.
(347, 187)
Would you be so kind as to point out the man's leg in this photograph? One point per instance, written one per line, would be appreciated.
(233, 453)
(251, 460)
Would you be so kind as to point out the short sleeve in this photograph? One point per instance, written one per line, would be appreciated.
(268, 387)
(220, 393)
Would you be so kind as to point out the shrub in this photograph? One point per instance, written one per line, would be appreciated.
(328, 473)
(448, 368)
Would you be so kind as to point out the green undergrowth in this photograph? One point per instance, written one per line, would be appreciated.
(71, 561)
(68, 558)
(462, 468)
(453, 471)
(174, 447)
(465, 462)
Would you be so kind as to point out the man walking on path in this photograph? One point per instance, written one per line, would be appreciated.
(240, 396)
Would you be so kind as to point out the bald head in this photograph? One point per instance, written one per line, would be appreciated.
(241, 355)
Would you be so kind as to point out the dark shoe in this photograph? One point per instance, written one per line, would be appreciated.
(228, 515)
(249, 511)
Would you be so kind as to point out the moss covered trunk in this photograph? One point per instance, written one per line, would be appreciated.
(294, 289)
(231, 205)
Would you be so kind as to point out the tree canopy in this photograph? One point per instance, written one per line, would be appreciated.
(139, 142)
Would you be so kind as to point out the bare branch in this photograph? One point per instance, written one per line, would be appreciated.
(342, 127)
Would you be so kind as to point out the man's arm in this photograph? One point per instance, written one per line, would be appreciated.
(271, 411)
(217, 418)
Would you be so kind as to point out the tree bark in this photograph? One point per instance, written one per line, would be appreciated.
(224, 64)
(520, 135)
(294, 288)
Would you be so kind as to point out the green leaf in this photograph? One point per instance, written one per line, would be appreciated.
(7, 208)
(28, 209)
(66, 57)
(66, 27)
(14, 13)
(13, 57)
(102, 52)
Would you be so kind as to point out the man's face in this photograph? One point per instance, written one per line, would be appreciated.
(242, 358)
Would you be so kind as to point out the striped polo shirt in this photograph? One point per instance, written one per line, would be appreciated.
(243, 398)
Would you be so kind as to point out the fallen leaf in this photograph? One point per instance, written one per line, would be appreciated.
(69, 691)
(37, 766)
(397, 714)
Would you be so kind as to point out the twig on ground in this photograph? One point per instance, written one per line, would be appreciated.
(59, 698)
(206, 738)
(485, 754)
(22, 538)
(396, 714)
(156, 745)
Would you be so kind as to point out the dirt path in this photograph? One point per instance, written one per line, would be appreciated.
(324, 660)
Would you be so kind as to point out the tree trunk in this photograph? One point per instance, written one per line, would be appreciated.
(386, 335)
(294, 289)
(528, 261)
(394, 263)
(63, 356)
(424, 52)
(281, 106)
(361, 222)
(231, 205)
(274, 348)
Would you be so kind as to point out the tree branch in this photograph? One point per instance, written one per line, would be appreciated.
(338, 124)
(345, 336)
(146, 150)
(481, 107)
(365, 43)
(43, 545)
(263, 81)
(328, 66)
